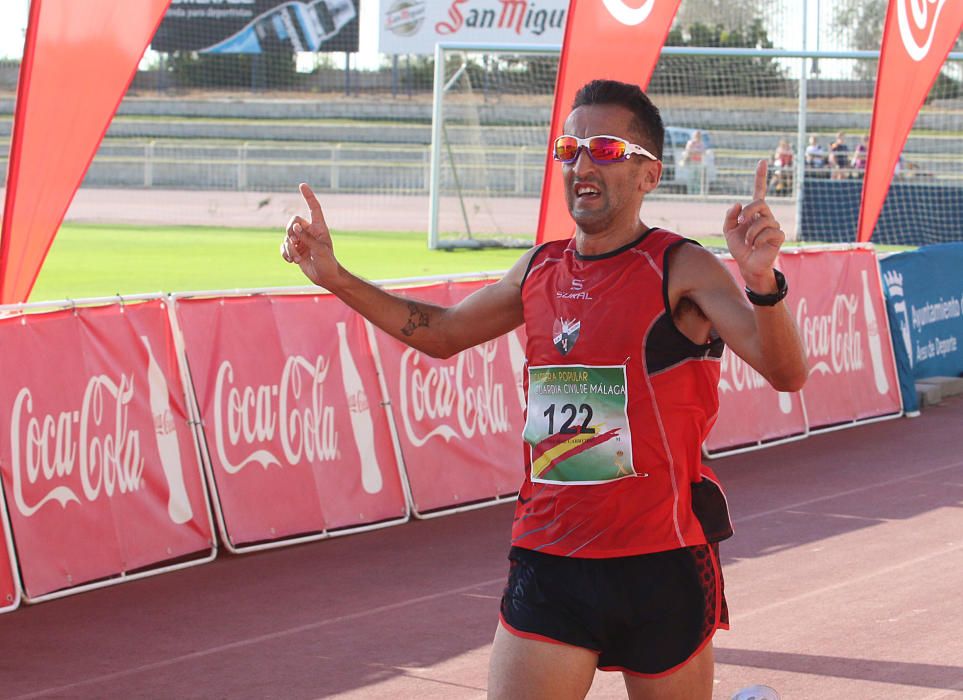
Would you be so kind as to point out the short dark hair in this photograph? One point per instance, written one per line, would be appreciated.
(648, 121)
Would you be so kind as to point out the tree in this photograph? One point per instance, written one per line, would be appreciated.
(708, 75)
(728, 13)
(268, 70)
(860, 24)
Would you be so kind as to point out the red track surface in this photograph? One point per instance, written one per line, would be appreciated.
(844, 580)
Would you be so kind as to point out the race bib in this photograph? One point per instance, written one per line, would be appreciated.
(578, 426)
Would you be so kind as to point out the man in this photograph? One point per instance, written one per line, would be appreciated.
(839, 157)
(816, 156)
(693, 160)
(613, 563)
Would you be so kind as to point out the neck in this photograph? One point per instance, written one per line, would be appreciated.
(607, 240)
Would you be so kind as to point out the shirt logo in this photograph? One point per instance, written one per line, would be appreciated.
(565, 333)
(576, 291)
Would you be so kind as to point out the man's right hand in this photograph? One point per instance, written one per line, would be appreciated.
(308, 244)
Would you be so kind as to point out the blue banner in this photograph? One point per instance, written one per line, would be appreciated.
(924, 302)
(918, 212)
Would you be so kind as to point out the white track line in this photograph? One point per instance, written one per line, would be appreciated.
(837, 494)
(258, 640)
(848, 582)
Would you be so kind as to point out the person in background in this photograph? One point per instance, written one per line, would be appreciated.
(839, 157)
(614, 561)
(860, 156)
(782, 169)
(816, 158)
(693, 160)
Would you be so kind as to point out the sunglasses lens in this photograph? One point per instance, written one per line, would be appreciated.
(606, 149)
(566, 148)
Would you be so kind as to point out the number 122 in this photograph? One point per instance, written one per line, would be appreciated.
(569, 412)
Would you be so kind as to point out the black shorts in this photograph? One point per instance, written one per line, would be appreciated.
(646, 614)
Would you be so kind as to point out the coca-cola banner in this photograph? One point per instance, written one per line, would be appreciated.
(299, 443)
(837, 300)
(459, 420)
(99, 465)
(9, 593)
(751, 412)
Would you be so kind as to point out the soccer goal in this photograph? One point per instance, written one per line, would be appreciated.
(492, 111)
(490, 118)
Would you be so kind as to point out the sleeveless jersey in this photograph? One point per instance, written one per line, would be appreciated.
(619, 404)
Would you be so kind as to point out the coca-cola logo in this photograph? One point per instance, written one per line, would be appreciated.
(459, 401)
(738, 375)
(918, 18)
(249, 419)
(832, 341)
(629, 16)
(95, 440)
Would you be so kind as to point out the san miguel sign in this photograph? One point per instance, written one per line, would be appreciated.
(415, 26)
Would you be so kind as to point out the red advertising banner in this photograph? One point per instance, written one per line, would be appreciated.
(459, 420)
(298, 442)
(917, 37)
(9, 592)
(751, 412)
(611, 39)
(837, 300)
(78, 59)
(99, 465)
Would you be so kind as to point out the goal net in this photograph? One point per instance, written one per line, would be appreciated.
(492, 109)
(491, 114)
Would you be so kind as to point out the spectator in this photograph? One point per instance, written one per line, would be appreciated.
(839, 157)
(906, 169)
(693, 161)
(816, 157)
(781, 181)
(860, 156)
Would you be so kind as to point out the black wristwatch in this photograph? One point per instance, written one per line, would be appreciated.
(782, 289)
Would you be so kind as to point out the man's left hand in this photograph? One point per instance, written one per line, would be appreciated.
(754, 237)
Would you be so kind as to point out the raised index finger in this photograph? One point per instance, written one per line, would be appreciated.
(759, 189)
(314, 206)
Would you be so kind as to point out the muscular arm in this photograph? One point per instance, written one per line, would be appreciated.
(435, 330)
(764, 336)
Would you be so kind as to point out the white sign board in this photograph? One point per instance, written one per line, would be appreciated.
(415, 26)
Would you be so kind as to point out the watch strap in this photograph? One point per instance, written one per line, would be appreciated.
(782, 289)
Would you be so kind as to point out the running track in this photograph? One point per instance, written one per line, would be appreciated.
(844, 581)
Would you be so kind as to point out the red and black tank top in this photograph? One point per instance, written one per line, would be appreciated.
(619, 404)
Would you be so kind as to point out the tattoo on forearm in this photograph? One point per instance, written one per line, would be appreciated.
(416, 319)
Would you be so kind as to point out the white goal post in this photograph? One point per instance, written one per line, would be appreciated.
(467, 170)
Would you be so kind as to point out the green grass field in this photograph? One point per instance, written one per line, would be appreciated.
(97, 260)
(94, 261)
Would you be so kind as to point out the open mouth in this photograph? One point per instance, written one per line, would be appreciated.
(584, 192)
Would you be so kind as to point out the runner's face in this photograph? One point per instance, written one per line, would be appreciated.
(601, 196)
